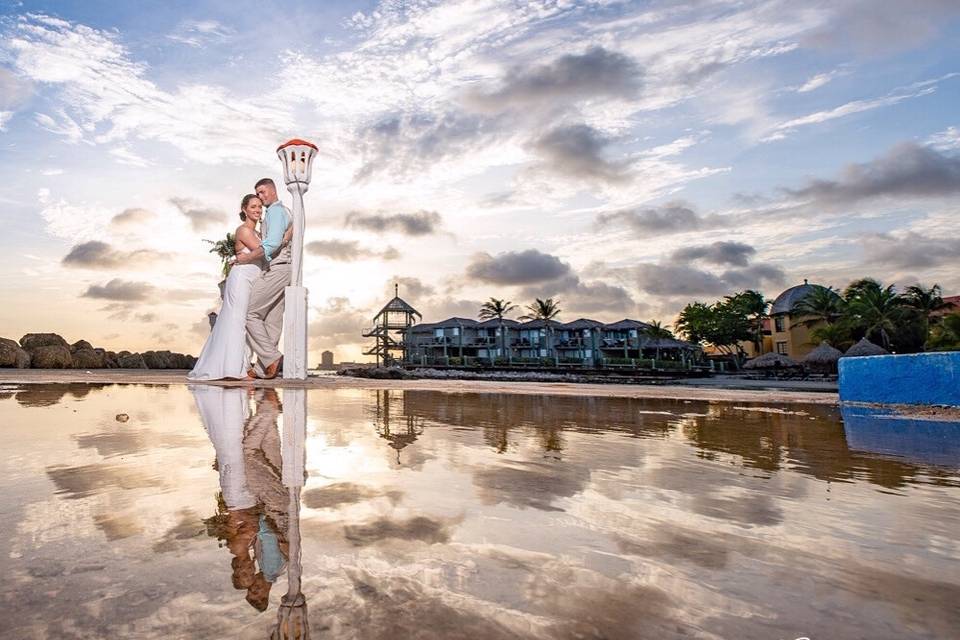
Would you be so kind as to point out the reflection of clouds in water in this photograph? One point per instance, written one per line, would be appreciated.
(85, 480)
(416, 529)
(529, 484)
(343, 493)
(132, 441)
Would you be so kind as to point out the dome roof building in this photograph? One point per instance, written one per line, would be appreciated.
(785, 302)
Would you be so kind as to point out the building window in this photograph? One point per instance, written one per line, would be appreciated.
(782, 348)
(778, 323)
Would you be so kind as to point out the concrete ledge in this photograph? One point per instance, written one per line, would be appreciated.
(918, 378)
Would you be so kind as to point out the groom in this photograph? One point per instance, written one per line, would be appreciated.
(265, 313)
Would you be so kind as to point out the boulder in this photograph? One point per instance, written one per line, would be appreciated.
(32, 340)
(131, 361)
(12, 355)
(80, 344)
(88, 359)
(109, 359)
(51, 357)
(158, 359)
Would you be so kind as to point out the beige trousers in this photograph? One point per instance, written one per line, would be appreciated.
(265, 315)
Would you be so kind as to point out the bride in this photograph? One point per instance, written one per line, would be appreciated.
(224, 355)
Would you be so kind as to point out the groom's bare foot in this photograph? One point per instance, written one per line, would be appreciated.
(271, 372)
(251, 374)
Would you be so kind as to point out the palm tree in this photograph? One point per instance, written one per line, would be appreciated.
(657, 331)
(823, 305)
(542, 310)
(497, 308)
(545, 310)
(755, 305)
(836, 335)
(925, 301)
(877, 309)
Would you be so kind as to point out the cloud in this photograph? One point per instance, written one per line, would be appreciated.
(883, 27)
(908, 170)
(911, 250)
(578, 151)
(946, 140)
(919, 89)
(410, 288)
(14, 90)
(735, 253)
(819, 80)
(119, 291)
(338, 323)
(670, 218)
(597, 73)
(516, 267)
(347, 250)
(112, 102)
(133, 216)
(5, 117)
(418, 223)
(200, 217)
(198, 33)
(100, 255)
(671, 279)
(578, 297)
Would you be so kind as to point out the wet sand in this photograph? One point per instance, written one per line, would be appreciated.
(759, 391)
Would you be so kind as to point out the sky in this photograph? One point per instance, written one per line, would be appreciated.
(625, 158)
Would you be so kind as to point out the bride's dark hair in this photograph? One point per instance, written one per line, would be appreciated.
(243, 204)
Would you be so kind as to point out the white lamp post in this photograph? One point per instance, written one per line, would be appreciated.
(296, 156)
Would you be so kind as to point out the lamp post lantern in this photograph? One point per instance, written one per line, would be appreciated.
(296, 156)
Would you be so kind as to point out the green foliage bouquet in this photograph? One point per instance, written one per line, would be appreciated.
(226, 250)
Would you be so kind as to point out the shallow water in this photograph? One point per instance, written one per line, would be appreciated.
(442, 515)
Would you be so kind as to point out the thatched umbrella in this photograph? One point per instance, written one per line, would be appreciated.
(866, 348)
(823, 357)
(771, 360)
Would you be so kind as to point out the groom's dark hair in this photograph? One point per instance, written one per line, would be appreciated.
(263, 181)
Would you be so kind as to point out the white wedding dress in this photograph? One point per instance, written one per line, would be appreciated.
(225, 353)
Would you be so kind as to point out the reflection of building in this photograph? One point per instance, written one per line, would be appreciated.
(400, 429)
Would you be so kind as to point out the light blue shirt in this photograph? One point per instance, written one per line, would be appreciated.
(276, 222)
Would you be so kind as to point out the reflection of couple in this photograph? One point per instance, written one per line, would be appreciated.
(252, 517)
(252, 311)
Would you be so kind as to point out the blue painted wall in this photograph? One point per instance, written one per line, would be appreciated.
(917, 378)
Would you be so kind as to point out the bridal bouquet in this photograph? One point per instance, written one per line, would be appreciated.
(225, 249)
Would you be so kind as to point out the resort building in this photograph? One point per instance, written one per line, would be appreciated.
(784, 331)
(583, 342)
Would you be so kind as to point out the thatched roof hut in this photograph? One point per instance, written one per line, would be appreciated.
(771, 360)
(866, 348)
(823, 357)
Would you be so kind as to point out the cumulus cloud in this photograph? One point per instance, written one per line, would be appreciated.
(347, 250)
(671, 279)
(882, 27)
(722, 252)
(579, 297)
(675, 217)
(516, 267)
(100, 255)
(131, 217)
(946, 140)
(911, 250)
(908, 170)
(418, 223)
(570, 78)
(579, 151)
(336, 323)
(119, 291)
(200, 217)
(410, 288)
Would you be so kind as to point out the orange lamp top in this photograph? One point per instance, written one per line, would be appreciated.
(297, 141)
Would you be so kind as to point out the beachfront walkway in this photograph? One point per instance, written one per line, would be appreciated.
(770, 392)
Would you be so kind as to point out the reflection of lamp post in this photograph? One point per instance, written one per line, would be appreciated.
(297, 159)
(292, 621)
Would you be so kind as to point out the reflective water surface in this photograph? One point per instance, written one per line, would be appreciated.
(204, 512)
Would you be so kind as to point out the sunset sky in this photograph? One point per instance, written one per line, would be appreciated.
(624, 157)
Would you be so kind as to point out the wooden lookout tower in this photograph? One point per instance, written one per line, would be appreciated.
(390, 330)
